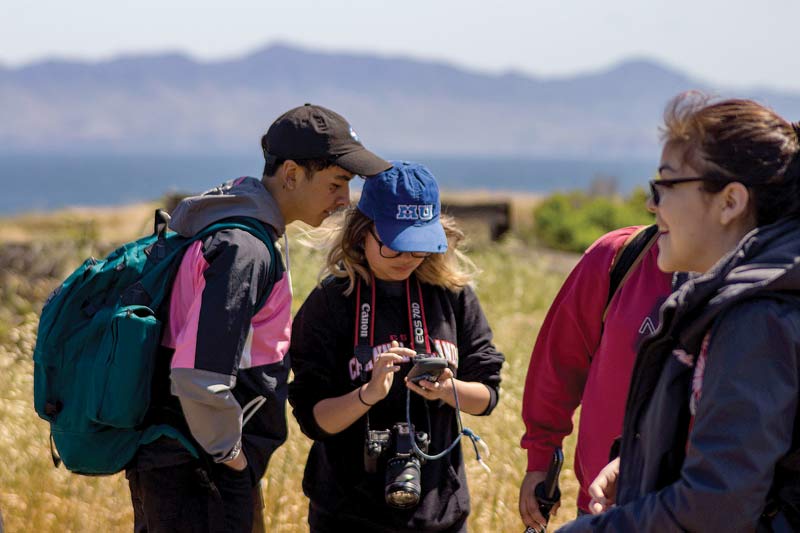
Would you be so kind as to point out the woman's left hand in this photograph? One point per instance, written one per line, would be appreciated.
(438, 390)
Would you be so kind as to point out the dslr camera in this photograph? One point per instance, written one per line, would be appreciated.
(403, 476)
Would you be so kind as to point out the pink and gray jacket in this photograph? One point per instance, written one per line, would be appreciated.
(229, 368)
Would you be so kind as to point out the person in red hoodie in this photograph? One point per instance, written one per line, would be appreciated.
(581, 359)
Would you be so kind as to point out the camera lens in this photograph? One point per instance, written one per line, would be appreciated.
(402, 482)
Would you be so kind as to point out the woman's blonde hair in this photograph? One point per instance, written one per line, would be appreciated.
(452, 270)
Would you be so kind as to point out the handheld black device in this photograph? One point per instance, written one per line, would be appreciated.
(427, 367)
(547, 492)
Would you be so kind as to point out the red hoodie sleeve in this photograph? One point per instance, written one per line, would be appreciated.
(563, 351)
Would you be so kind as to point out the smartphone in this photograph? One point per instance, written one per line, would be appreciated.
(427, 367)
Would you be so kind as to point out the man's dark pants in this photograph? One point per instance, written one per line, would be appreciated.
(194, 496)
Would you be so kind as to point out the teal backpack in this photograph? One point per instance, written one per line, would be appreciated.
(98, 336)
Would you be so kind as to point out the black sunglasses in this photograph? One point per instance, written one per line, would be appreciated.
(669, 182)
(388, 253)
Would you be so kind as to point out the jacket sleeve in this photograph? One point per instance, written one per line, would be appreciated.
(742, 427)
(560, 360)
(315, 337)
(208, 349)
(478, 360)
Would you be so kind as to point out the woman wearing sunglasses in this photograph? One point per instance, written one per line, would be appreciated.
(398, 289)
(711, 435)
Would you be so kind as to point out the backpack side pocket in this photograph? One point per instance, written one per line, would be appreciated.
(122, 374)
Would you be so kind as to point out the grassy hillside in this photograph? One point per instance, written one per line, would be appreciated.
(516, 287)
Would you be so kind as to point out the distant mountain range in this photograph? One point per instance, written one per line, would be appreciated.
(171, 103)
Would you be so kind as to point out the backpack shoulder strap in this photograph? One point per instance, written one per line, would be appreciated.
(257, 229)
(627, 257)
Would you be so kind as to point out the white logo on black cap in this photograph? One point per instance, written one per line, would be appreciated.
(354, 135)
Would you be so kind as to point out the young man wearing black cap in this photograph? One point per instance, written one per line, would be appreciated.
(224, 371)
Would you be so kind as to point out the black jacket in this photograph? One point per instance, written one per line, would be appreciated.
(219, 353)
(711, 465)
(324, 366)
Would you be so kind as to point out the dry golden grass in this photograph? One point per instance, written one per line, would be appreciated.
(516, 288)
(103, 224)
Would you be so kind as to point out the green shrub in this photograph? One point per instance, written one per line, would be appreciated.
(574, 220)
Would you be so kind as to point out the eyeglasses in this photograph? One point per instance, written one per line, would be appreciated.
(669, 182)
(388, 253)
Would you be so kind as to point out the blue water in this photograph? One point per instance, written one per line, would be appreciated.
(47, 182)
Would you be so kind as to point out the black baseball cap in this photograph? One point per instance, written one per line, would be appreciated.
(314, 132)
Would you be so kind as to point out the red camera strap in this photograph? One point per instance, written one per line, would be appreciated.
(365, 320)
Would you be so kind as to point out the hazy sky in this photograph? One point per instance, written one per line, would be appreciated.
(733, 43)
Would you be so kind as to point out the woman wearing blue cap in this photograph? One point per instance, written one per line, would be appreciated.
(398, 290)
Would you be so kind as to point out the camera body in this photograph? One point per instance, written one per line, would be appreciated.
(403, 475)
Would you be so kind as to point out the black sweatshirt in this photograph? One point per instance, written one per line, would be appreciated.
(324, 367)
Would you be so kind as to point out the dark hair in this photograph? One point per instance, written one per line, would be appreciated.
(309, 165)
(743, 141)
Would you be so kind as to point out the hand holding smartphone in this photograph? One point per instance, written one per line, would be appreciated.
(427, 367)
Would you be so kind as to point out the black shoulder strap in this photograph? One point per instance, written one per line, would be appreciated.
(629, 256)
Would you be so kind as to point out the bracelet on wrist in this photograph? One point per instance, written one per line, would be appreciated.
(362, 399)
(234, 453)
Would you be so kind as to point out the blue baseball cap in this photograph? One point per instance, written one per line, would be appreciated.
(404, 204)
